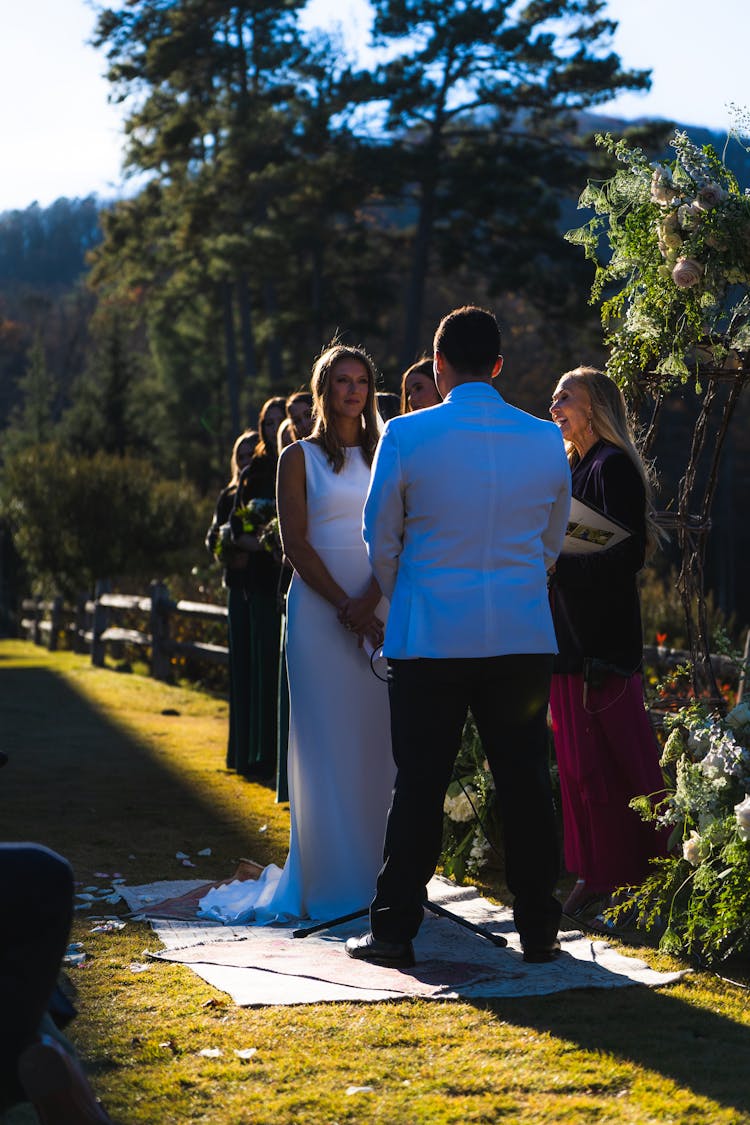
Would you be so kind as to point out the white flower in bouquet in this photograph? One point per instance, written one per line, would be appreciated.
(480, 851)
(691, 849)
(710, 195)
(690, 216)
(662, 187)
(742, 816)
(715, 763)
(699, 740)
(457, 804)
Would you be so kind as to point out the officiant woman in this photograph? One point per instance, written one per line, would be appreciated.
(606, 749)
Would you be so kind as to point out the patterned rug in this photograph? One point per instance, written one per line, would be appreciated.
(260, 965)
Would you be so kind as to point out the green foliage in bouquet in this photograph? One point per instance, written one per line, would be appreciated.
(470, 819)
(254, 515)
(677, 254)
(698, 897)
(270, 537)
(252, 518)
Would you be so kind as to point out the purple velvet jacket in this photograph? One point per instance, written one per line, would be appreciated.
(594, 597)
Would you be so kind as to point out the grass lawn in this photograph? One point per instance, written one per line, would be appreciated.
(119, 773)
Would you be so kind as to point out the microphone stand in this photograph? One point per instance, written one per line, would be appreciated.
(434, 907)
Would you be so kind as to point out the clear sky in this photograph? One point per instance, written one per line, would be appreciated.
(59, 136)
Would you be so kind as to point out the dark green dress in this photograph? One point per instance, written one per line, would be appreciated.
(254, 626)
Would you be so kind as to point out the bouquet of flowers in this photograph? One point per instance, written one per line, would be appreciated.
(699, 896)
(678, 250)
(471, 821)
(270, 538)
(251, 518)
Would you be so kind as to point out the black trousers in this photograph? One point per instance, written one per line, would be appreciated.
(36, 893)
(508, 697)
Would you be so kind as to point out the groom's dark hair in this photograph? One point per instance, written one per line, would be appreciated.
(469, 338)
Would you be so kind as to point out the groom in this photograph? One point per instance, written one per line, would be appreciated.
(466, 511)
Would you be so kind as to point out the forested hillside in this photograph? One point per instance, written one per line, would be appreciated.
(289, 197)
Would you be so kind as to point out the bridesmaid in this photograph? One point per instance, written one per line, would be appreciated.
(235, 579)
(418, 388)
(263, 617)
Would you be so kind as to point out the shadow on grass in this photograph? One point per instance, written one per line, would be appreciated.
(81, 784)
(699, 1049)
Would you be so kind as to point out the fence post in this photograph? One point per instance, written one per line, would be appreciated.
(99, 623)
(36, 632)
(55, 623)
(79, 624)
(161, 605)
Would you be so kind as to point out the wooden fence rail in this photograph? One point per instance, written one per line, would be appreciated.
(91, 625)
(90, 628)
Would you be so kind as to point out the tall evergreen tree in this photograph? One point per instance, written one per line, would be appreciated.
(32, 422)
(471, 91)
(214, 81)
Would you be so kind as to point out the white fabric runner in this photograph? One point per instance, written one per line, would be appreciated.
(260, 965)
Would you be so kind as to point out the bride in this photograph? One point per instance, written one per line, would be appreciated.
(341, 769)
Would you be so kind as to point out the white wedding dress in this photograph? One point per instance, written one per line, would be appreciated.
(340, 765)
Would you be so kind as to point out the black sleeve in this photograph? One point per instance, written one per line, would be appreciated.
(221, 515)
(621, 496)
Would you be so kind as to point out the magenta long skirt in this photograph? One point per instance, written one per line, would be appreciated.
(607, 753)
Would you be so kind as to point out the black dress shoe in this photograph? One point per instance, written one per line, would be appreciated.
(369, 948)
(541, 954)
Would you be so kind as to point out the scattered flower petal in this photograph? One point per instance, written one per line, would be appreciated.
(359, 1090)
(107, 926)
(74, 959)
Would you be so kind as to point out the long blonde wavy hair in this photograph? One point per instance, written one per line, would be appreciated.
(325, 428)
(611, 422)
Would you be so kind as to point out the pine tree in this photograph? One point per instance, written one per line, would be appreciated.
(475, 96)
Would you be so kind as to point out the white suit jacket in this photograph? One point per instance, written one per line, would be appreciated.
(467, 508)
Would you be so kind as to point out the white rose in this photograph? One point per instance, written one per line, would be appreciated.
(686, 273)
(742, 816)
(691, 849)
(710, 195)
